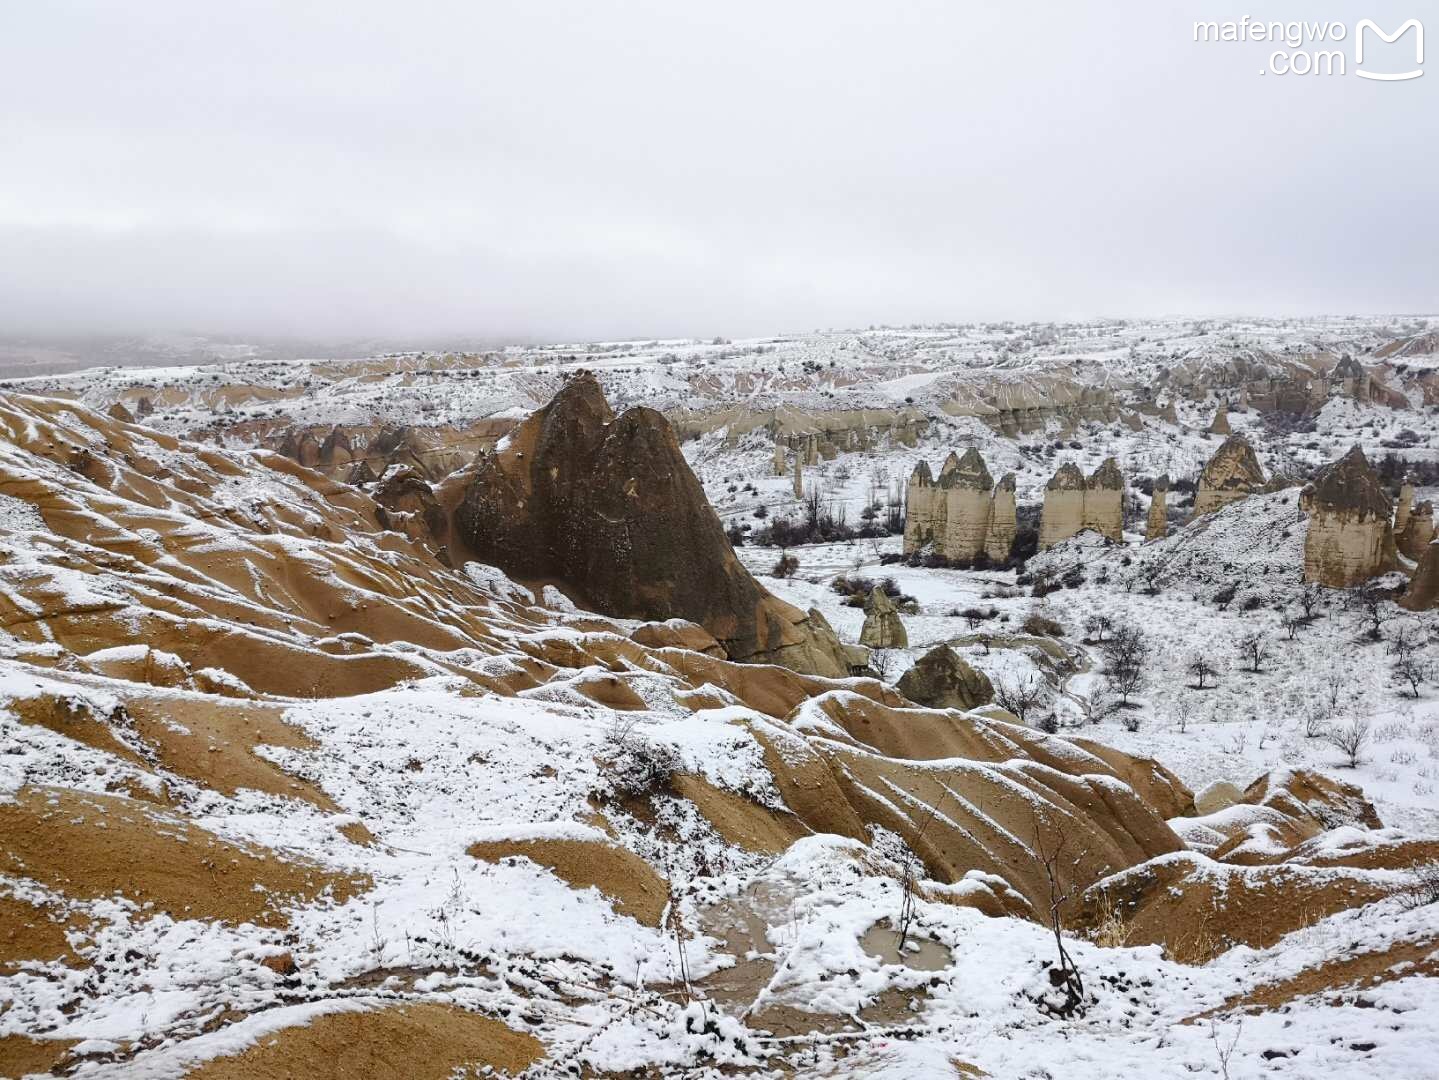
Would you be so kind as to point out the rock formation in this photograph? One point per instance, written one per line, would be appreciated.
(1220, 424)
(1350, 537)
(779, 466)
(882, 627)
(1003, 521)
(119, 412)
(1072, 503)
(1104, 500)
(407, 504)
(609, 506)
(966, 490)
(1423, 594)
(798, 477)
(962, 516)
(1413, 525)
(941, 680)
(1231, 474)
(1158, 522)
(920, 524)
(1063, 513)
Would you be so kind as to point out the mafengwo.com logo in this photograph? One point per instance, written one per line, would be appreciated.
(1325, 48)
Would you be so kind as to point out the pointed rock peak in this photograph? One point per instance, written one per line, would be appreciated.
(581, 395)
(969, 472)
(1107, 476)
(951, 463)
(1350, 484)
(1348, 368)
(1162, 484)
(1066, 478)
(1006, 484)
(921, 475)
(879, 601)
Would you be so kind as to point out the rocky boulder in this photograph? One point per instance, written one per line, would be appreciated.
(609, 506)
(941, 680)
(882, 626)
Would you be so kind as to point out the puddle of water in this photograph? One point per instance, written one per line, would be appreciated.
(920, 953)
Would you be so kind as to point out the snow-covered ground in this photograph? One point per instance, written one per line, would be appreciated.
(1240, 726)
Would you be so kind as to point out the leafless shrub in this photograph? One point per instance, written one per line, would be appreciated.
(1200, 667)
(1423, 889)
(1125, 655)
(1350, 739)
(1410, 671)
(1110, 931)
(1370, 601)
(634, 764)
(1254, 650)
(1021, 696)
(1183, 713)
(1064, 976)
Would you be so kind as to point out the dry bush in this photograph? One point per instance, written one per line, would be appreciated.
(1423, 889)
(1110, 930)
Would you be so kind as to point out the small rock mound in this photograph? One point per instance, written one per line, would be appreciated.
(941, 680)
(882, 626)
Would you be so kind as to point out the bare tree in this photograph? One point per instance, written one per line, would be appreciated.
(1370, 600)
(1404, 642)
(1021, 696)
(1309, 598)
(1410, 671)
(1292, 624)
(973, 616)
(1254, 649)
(1097, 705)
(1064, 976)
(1350, 739)
(1125, 655)
(1200, 667)
(1183, 712)
(1096, 626)
(1333, 685)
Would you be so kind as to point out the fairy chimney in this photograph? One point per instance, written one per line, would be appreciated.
(1231, 474)
(1003, 521)
(1350, 538)
(1063, 513)
(922, 502)
(1158, 523)
(966, 492)
(882, 628)
(1220, 424)
(779, 466)
(1104, 500)
(798, 476)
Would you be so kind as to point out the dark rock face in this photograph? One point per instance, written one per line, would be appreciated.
(610, 507)
(941, 680)
(406, 503)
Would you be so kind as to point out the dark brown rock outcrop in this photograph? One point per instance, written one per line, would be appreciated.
(941, 680)
(609, 506)
(407, 504)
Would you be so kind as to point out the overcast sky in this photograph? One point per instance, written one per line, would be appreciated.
(578, 170)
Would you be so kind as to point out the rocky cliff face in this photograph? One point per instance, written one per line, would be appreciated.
(608, 506)
(1350, 536)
